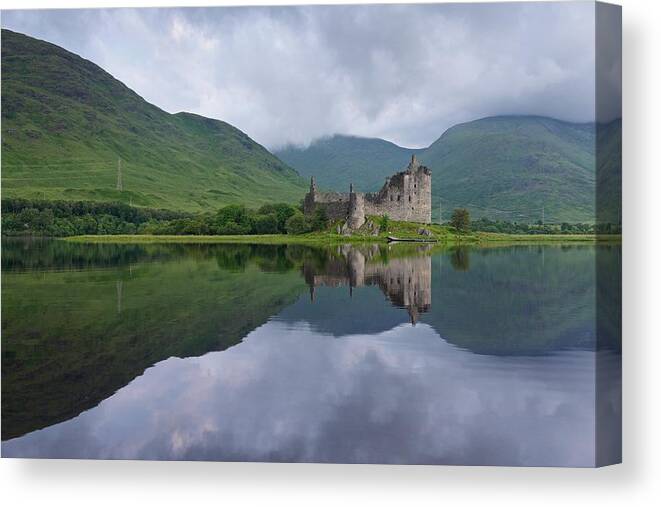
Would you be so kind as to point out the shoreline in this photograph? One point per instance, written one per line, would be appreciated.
(474, 239)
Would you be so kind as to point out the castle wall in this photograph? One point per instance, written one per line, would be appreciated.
(406, 196)
(336, 204)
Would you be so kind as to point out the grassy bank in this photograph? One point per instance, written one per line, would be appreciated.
(267, 239)
(492, 237)
(328, 238)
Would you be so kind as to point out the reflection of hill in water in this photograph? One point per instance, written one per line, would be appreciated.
(71, 337)
(81, 321)
(501, 301)
(517, 300)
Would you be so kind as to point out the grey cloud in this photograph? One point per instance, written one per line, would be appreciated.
(609, 62)
(292, 74)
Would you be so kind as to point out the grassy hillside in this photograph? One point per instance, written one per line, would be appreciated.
(66, 123)
(609, 172)
(339, 160)
(506, 168)
(511, 167)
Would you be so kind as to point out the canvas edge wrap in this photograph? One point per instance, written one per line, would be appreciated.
(608, 259)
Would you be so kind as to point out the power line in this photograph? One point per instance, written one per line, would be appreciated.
(119, 174)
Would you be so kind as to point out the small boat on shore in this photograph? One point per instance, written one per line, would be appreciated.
(392, 239)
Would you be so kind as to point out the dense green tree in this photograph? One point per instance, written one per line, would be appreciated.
(232, 228)
(282, 212)
(266, 224)
(460, 220)
(499, 226)
(60, 218)
(319, 220)
(298, 224)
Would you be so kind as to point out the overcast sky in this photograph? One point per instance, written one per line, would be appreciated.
(292, 74)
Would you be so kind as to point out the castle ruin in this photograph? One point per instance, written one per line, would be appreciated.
(405, 196)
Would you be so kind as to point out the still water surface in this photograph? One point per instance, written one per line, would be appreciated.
(376, 354)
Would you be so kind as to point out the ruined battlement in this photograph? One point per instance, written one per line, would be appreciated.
(405, 196)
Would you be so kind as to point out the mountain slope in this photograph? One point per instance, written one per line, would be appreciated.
(339, 160)
(66, 123)
(609, 172)
(518, 168)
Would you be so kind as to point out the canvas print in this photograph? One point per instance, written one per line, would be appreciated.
(384, 234)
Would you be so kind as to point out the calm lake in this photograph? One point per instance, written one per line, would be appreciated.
(375, 354)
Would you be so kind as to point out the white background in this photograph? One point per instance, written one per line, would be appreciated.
(636, 482)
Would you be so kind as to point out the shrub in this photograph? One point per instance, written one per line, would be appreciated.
(266, 224)
(282, 211)
(297, 224)
(232, 227)
(384, 222)
(319, 220)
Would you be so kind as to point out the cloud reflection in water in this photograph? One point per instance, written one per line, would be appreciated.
(288, 393)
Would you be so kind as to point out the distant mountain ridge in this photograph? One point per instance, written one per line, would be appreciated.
(517, 168)
(67, 123)
(71, 131)
(335, 161)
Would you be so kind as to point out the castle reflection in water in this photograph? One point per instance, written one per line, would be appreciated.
(406, 282)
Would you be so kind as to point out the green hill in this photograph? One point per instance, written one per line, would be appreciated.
(609, 172)
(507, 167)
(512, 167)
(339, 160)
(66, 123)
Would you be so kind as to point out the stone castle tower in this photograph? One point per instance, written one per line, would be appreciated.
(405, 196)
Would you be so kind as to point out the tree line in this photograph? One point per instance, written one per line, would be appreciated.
(21, 217)
(486, 225)
(461, 221)
(26, 217)
(71, 218)
(279, 218)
